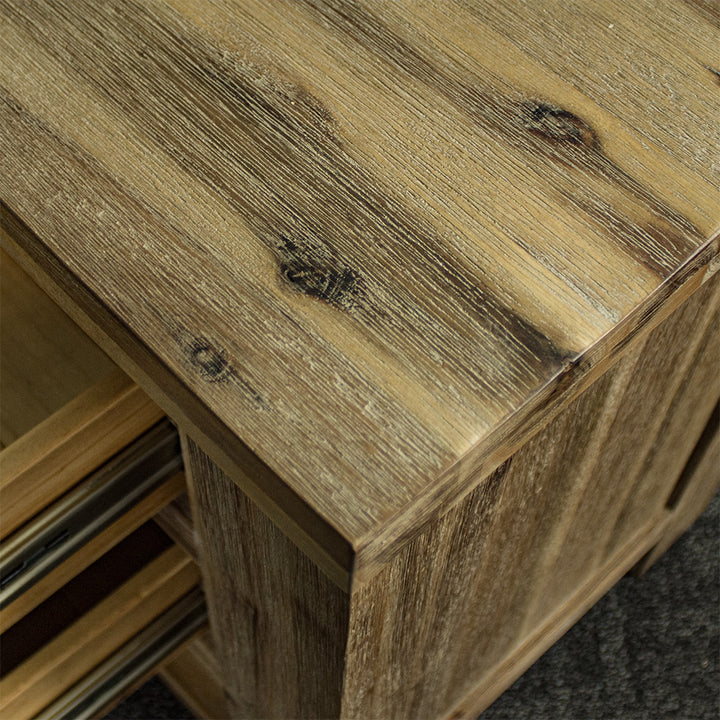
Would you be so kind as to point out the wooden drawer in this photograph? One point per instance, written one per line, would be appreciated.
(85, 456)
(65, 409)
(80, 526)
(92, 595)
(82, 648)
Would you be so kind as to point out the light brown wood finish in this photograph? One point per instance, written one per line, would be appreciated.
(435, 241)
(53, 456)
(530, 548)
(490, 687)
(114, 679)
(405, 272)
(176, 520)
(46, 359)
(66, 408)
(63, 661)
(195, 676)
(475, 596)
(87, 554)
(685, 412)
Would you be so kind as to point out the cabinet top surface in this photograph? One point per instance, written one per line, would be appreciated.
(366, 236)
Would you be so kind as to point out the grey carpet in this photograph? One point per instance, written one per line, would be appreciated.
(649, 650)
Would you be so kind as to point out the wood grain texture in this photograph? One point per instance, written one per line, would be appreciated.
(45, 359)
(111, 623)
(435, 241)
(476, 596)
(489, 688)
(278, 623)
(685, 412)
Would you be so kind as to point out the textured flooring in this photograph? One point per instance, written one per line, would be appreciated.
(649, 650)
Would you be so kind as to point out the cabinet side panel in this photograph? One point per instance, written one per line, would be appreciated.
(279, 624)
(699, 481)
(621, 493)
(690, 411)
(487, 586)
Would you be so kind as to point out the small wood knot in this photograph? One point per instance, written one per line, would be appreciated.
(558, 125)
(318, 278)
(332, 286)
(209, 361)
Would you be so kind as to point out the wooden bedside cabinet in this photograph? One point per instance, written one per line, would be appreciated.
(431, 293)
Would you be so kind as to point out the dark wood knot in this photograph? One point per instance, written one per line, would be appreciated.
(311, 274)
(558, 125)
(209, 361)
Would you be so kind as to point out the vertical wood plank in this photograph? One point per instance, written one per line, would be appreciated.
(279, 624)
(696, 486)
(688, 413)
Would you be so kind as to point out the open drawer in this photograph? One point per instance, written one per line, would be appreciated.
(65, 409)
(77, 528)
(82, 649)
(85, 456)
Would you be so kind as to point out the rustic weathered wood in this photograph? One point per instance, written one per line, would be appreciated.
(685, 412)
(696, 485)
(487, 690)
(317, 538)
(405, 272)
(470, 602)
(195, 676)
(86, 555)
(63, 661)
(279, 624)
(475, 596)
(436, 241)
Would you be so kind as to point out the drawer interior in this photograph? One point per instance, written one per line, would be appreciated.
(93, 617)
(46, 360)
(76, 529)
(94, 595)
(65, 409)
(79, 595)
